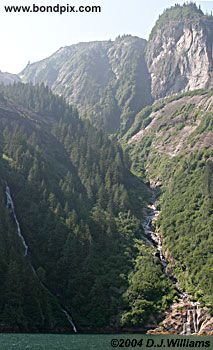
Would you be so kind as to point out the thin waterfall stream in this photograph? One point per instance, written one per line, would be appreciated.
(10, 206)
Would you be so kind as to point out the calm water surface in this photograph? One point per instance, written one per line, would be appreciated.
(85, 342)
(54, 342)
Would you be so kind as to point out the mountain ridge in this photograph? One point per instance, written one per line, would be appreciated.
(177, 57)
(8, 78)
(93, 76)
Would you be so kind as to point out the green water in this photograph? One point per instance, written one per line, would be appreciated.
(92, 342)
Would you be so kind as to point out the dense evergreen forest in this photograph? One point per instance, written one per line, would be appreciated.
(187, 11)
(80, 212)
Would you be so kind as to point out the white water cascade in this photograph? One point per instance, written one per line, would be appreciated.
(10, 205)
(194, 316)
(188, 323)
(152, 236)
(192, 322)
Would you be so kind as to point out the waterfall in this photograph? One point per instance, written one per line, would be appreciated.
(184, 329)
(192, 320)
(10, 205)
(160, 249)
(70, 320)
(198, 317)
(152, 236)
(188, 323)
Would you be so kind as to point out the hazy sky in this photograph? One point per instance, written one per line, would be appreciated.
(31, 37)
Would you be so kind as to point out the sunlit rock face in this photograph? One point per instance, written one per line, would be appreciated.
(179, 56)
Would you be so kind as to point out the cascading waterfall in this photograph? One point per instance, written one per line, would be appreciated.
(192, 320)
(198, 317)
(10, 205)
(151, 235)
(192, 324)
(194, 317)
(188, 323)
(184, 329)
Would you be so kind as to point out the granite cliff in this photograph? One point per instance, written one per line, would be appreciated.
(179, 52)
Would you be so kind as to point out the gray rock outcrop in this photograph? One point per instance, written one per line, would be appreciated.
(180, 58)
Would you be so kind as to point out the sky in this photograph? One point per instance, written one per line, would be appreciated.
(32, 37)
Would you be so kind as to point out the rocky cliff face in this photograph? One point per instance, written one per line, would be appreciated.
(186, 318)
(111, 81)
(179, 56)
(176, 124)
(108, 81)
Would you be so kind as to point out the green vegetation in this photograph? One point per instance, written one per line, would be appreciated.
(186, 223)
(187, 11)
(144, 117)
(80, 210)
(186, 186)
(149, 292)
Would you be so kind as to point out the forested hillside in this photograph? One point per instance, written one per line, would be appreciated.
(171, 145)
(79, 210)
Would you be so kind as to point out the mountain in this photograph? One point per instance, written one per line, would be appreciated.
(170, 144)
(108, 81)
(105, 234)
(179, 53)
(8, 78)
(111, 81)
(71, 236)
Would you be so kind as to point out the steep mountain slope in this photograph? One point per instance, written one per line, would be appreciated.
(8, 78)
(171, 146)
(108, 81)
(77, 207)
(179, 53)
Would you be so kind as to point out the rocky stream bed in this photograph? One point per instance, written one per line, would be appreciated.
(185, 316)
